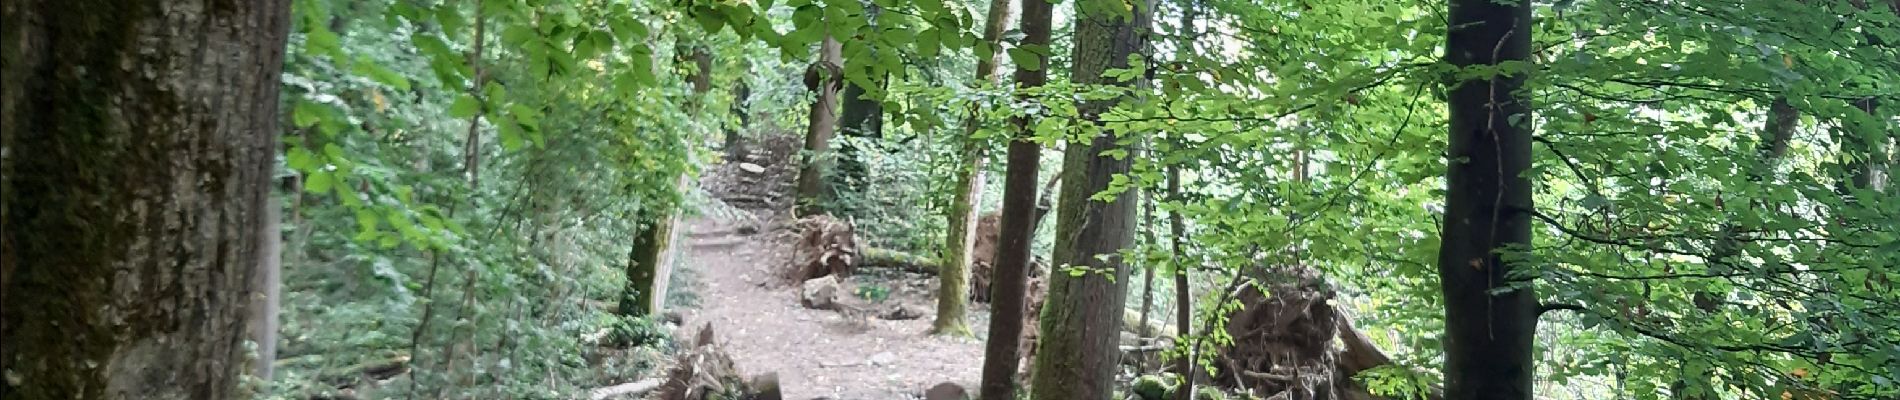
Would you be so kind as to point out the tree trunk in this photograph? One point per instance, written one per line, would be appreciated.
(1078, 353)
(1488, 337)
(953, 288)
(636, 300)
(1177, 231)
(1183, 299)
(823, 78)
(1001, 353)
(269, 284)
(862, 119)
(137, 141)
(1863, 152)
(735, 136)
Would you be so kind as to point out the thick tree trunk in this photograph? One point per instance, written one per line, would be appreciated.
(1078, 354)
(636, 300)
(1488, 336)
(953, 288)
(823, 78)
(1002, 353)
(268, 282)
(137, 141)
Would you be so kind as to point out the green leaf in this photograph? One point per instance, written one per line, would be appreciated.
(321, 41)
(464, 107)
(305, 114)
(318, 182)
(368, 68)
(300, 159)
(1025, 59)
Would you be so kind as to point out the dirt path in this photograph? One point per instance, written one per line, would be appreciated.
(817, 354)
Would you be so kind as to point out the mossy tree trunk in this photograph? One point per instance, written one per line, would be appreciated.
(953, 280)
(1082, 317)
(1490, 321)
(137, 141)
(823, 78)
(643, 262)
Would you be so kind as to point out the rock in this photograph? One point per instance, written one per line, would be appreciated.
(820, 293)
(752, 168)
(765, 387)
(900, 313)
(884, 359)
(946, 391)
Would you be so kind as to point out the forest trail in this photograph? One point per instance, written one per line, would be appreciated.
(816, 353)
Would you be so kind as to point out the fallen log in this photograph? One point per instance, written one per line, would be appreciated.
(874, 257)
(630, 389)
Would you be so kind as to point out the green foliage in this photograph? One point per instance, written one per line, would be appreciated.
(468, 179)
(463, 208)
(1153, 387)
(1396, 382)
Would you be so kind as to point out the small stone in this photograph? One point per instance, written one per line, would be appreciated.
(753, 168)
(900, 313)
(884, 359)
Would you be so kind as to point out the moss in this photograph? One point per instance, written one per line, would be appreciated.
(1153, 387)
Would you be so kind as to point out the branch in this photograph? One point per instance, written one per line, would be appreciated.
(1548, 307)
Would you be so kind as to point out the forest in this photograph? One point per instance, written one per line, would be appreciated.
(929, 199)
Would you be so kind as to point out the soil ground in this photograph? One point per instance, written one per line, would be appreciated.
(818, 353)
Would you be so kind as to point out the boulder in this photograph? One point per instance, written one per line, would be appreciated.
(947, 391)
(821, 293)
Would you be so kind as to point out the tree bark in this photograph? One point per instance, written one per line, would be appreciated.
(1183, 299)
(862, 118)
(137, 141)
(1078, 353)
(823, 78)
(1001, 353)
(1488, 336)
(1863, 160)
(269, 284)
(735, 136)
(636, 300)
(953, 280)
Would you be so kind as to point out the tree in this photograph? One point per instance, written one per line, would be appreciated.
(863, 121)
(1001, 353)
(953, 279)
(139, 144)
(823, 78)
(1082, 317)
(1177, 230)
(1490, 312)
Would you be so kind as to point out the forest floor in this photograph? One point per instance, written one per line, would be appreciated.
(820, 354)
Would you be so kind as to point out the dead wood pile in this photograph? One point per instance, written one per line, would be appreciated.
(821, 246)
(1282, 343)
(706, 372)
